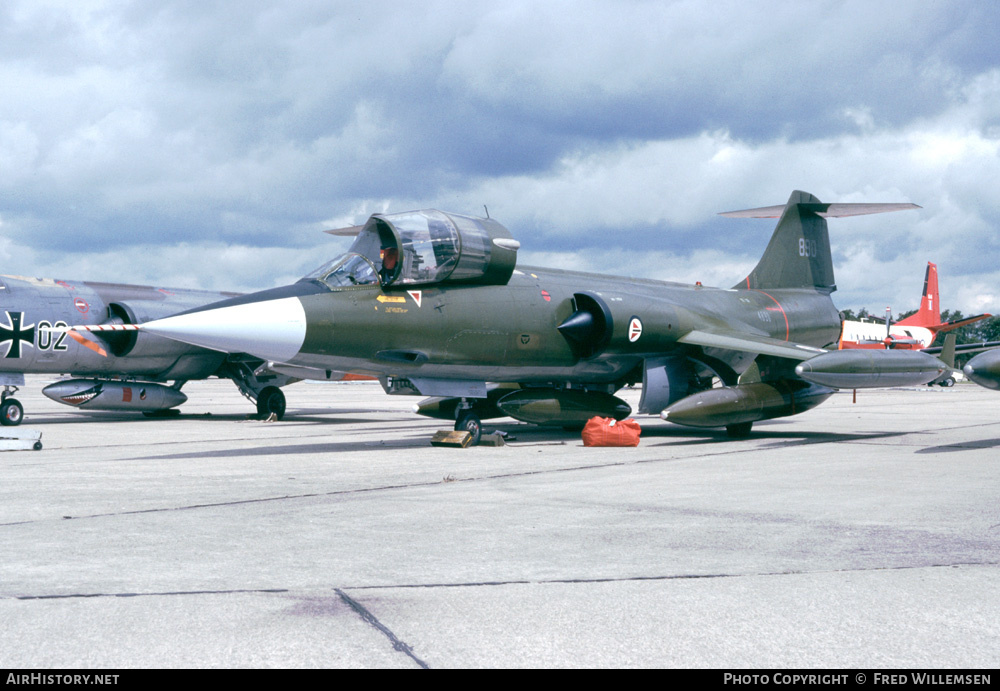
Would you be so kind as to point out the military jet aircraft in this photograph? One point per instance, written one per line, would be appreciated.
(434, 304)
(117, 370)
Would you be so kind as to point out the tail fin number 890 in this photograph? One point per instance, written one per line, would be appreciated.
(807, 248)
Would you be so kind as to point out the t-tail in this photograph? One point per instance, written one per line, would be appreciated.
(798, 255)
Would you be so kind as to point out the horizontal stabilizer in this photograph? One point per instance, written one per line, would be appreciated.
(956, 323)
(798, 254)
(345, 232)
(820, 209)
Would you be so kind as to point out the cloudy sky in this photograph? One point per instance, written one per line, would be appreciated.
(185, 143)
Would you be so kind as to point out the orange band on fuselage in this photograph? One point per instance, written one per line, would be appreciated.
(87, 344)
(779, 308)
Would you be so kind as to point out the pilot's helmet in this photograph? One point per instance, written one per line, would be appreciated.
(389, 256)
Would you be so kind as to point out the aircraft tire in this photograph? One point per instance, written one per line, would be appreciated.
(11, 413)
(740, 430)
(271, 400)
(470, 422)
(949, 382)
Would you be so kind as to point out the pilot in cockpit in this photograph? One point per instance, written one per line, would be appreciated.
(390, 264)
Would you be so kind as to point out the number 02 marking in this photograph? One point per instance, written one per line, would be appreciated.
(45, 340)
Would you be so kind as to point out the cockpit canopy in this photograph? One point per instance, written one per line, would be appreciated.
(423, 247)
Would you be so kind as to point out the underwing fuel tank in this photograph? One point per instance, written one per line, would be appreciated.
(862, 369)
(92, 394)
(448, 407)
(737, 405)
(562, 407)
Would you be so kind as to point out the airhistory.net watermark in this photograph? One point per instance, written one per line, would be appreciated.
(30, 679)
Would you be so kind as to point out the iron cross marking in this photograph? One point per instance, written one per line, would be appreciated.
(13, 333)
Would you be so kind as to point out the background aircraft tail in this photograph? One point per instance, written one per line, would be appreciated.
(929, 314)
(798, 255)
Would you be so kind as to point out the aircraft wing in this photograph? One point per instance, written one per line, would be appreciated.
(751, 343)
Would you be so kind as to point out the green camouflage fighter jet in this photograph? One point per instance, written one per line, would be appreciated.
(433, 304)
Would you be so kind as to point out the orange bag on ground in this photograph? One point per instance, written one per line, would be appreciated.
(606, 431)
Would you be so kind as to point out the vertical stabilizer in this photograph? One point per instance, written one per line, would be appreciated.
(929, 313)
(798, 255)
(947, 355)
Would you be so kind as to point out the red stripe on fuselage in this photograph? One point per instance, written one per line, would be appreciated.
(779, 308)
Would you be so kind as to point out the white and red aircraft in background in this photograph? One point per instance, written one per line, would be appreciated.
(916, 332)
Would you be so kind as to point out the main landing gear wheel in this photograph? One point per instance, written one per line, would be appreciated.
(470, 422)
(11, 413)
(740, 430)
(271, 401)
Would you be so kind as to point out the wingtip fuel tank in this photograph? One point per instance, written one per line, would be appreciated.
(984, 369)
(862, 369)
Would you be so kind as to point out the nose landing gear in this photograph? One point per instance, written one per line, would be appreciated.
(470, 422)
(11, 410)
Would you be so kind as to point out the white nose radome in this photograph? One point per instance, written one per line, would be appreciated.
(270, 330)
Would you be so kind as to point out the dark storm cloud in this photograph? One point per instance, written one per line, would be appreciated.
(657, 70)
